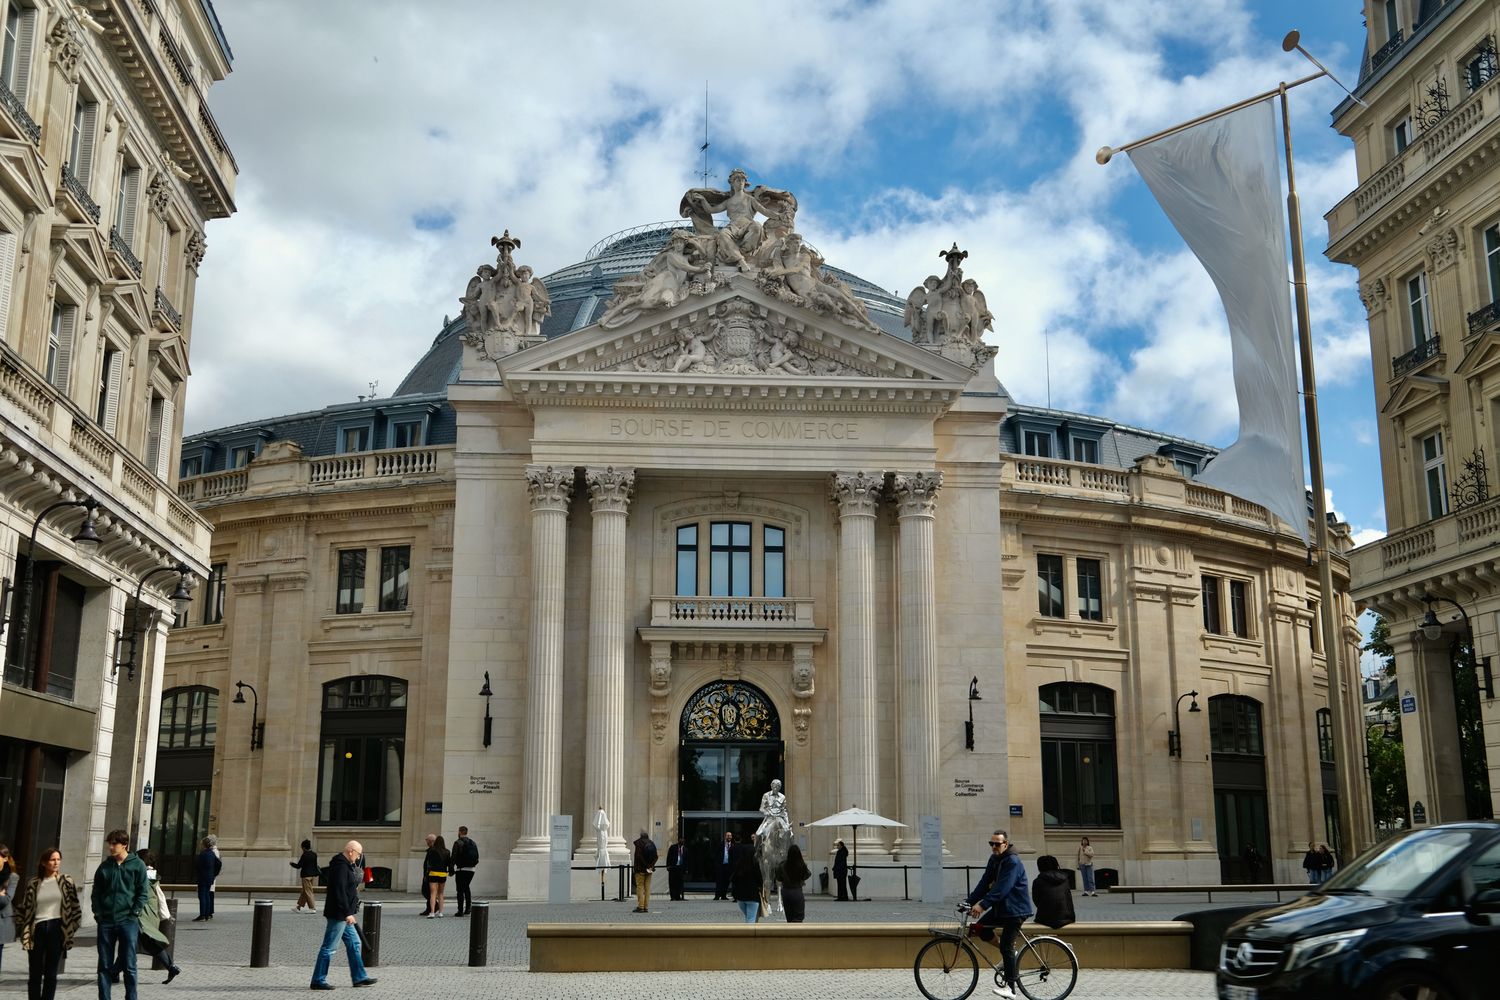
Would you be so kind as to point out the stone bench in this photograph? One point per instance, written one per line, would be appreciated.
(1300, 888)
(1163, 944)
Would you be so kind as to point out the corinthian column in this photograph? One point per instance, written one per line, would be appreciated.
(604, 738)
(550, 491)
(915, 495)
(857, 496)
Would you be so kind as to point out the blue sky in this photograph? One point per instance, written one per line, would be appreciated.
(382, 144)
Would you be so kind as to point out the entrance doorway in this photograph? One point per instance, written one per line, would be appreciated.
(1242, 819)
(730, 750)
(184, 779)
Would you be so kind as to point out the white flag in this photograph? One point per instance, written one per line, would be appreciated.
(1219, 183)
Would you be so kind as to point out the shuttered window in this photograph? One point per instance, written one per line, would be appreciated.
(60, 345)
(158, 435)
(111, 371)
(81, 144)
(8, 243)
(20, 35)
(126, 202)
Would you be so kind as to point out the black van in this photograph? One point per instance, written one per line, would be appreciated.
(1417, 916)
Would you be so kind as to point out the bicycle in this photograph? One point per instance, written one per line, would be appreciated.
(947, 967)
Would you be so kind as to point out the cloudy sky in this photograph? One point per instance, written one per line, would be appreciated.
(382, 144)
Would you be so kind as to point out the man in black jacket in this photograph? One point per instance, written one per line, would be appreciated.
(465, 857)
(341, 910)
(307, 870)
(675, 887)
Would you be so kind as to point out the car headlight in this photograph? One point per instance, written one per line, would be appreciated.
(1316, 949)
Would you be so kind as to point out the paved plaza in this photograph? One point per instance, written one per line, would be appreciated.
(431, 955)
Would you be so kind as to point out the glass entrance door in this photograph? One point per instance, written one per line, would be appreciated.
(1244, 836)
(719, 791)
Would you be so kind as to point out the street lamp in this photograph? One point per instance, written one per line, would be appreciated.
(257, 728)
(1432, 630)
(181, 598)
(86, 536)
(969, 726)
(1174, 736)
(1384, 725)
(486, 694)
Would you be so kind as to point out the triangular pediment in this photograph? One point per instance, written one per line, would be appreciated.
(735, 334)
(21, 173)
(85, 247)
(1481, 355)
(130, 309)
(1414, 391)
(171, 357)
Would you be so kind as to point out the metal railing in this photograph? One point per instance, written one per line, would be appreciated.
(17, 110)
(751, 612)
(1387, 50)
(164, 306)
(1425, 351)
(118, 245)
(80, 194)
(1484, 318)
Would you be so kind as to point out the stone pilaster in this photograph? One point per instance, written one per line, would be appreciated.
(550, 490)
(604, 737)
(915, 497)
(857, 497)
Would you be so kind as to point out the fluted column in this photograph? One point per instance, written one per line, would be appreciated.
(915, 496)
(541, 797)
(857, 497)
(604, 738)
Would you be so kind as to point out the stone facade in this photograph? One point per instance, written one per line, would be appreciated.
(112, 165)
(1423, 228)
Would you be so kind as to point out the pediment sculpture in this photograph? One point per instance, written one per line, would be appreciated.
(735, 340)
(706, 256)
(949, 314)
(504, 304)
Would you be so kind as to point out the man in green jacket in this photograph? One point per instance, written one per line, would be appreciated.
(118, 898)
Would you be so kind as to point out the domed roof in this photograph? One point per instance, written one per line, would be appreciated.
(580, 291)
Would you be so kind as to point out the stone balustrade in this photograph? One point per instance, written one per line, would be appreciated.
(390, 466)
(746, 612)
(1457, 538)
(1138, 485)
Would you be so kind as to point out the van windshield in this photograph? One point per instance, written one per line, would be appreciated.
(1397, 867)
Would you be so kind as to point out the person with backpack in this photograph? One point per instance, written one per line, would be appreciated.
(465, 858)
(307, 870)
(645, 865)
(1052, 894)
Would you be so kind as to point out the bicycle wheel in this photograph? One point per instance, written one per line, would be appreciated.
(1048, 969)
(946, 969)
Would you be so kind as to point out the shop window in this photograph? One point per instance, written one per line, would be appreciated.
(1080, 784)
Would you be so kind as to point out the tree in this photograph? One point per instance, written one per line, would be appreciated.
(1385, 753)
(1466, 707)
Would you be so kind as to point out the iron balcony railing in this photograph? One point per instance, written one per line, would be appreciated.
(80, 193)
(118, 245)
(1427, 349)
(17, 111)
(1484, 318)
(1387, 50)
(164, 306)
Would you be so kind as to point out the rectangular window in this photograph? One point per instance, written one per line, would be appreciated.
(687, 560)
(1435, 475)
(1086, 450)
(159, 435)
(1038, 443)
(81, 140)
(1401, 135)
(8, 246)
(1314, 627)
(59, 363)
(1049, 586)
(241, 456)
(1492, 260)
(773, 571)
(1239, 618)
(1392, 19)
(395, 574)
(1481, 66)
(729, 559)
(1079, 785)
(192, 467)
(111, 371)
(354, 439)
(1325, 736)
(360, 779)
(1419, 308)
(1188, 469)
(351, 597)
(406, 434)
(1213, 621)
(126, 200)
(214, 590)
(1090, 604)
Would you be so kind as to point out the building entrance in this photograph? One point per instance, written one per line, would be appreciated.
(730, 750)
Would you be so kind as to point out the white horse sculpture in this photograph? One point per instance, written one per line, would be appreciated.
(772, 838)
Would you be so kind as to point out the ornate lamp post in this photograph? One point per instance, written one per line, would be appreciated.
(86, 536)
(1174, 737)
(180, 600)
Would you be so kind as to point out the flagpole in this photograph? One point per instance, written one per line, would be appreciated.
(1355, 825)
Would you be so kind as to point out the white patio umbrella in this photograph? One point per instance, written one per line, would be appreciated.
(855, 817)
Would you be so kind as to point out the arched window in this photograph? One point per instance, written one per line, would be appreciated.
(189, 718)
(1234, 726)
(1080, 785)
(363, 753)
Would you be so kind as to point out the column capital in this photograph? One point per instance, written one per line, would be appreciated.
(915, 493)
(550, 487)
(610, 488)
(856, 492)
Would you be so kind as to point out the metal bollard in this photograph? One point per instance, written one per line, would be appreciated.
(370, 939)
(170, 930)
(260, 935)
(479, 934)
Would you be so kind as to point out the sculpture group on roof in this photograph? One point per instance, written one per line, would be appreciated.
(504, 304)
(949, 314)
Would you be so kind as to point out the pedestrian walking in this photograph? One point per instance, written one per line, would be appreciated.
(725, 867)
(1086, 867)
(47, 916)
(1312, 864)
(841, 871)
(206, 870)
(794, 874)
(346, 875)
(118, 899)
(8, 880)
(676, 870)
(438, 864)
(1325, 864)
(426, 882)
(746, 882)
(154, 918)
(307, 870)
(465, 860)
(644, 862)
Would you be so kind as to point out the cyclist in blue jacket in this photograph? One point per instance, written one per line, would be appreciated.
(1001, 900)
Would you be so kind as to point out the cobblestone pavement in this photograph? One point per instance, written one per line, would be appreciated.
(430, 956)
